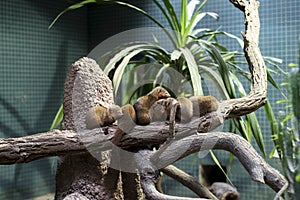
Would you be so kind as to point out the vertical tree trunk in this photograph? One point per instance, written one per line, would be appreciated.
(80, 176)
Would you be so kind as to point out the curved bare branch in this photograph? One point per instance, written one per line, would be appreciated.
(256, 166)
(149, 176)
(188, 181)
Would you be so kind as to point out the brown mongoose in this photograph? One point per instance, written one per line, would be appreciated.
(128, 120)
(184, 111)
(125, 123)
(99, 116)
(203, 105)
(144, 103)
(160, 111)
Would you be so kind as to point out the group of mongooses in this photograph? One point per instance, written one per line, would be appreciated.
(154, 106)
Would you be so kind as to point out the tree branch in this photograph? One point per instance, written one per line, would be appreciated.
(188, 181)
(224, 191)
(149, 177)
(56, 143)
(66, 142)
(256, 166)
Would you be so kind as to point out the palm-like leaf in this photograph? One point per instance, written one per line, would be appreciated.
(193, 69)
(193, 56)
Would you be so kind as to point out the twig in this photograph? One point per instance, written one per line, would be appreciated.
(188, 181)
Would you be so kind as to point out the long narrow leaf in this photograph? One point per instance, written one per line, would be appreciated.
(141, 11)
(256, 131)
(273, 82)
(72, 7)
(183, 15)
(216, 79)
(163, 11)
(191, 8)
(148, 16)
(193, 69)
(223, 69)
(240, 41)
(123, 52)
(193, 18)
(106, 57)
(219, 165)
(200, 17)
(240, 125)
(173, 14)
(238, 84)
(251, 120)
(58, 118)
(121, 67)
(160, 73)
(243, 127)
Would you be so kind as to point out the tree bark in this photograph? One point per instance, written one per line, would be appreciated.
(26, 149)
(188, 181)
(86, 86)
(224, 191)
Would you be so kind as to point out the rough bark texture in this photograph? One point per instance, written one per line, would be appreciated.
(256, 166)
(224, 191)
(149, 176)
(67, 142)
(86, 86)
(188, 181)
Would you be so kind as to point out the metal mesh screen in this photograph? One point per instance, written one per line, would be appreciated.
(34, 61)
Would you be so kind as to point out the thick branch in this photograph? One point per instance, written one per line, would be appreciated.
(257, 67)
(256, 166)
(54, 143)
(224, 191)
(29, 148)
(149, 177)
(59, 143)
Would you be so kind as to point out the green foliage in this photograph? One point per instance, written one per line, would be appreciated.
(287, 136)
(197, 54)
(58, 118)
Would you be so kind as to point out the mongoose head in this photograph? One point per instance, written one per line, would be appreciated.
(159, 93)
(115, 111)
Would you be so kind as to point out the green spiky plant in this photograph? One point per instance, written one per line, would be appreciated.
(286, 140)
(196, 53)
